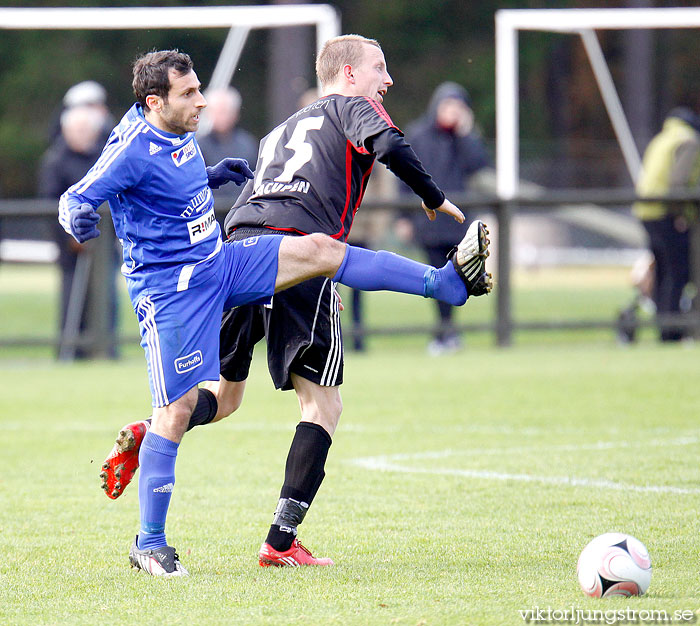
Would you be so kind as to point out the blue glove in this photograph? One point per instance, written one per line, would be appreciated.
(83, 222)
(225, 170)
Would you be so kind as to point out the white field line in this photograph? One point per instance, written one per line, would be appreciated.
(396, 463)
(576, 447)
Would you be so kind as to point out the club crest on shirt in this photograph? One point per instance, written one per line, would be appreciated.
(184, 154)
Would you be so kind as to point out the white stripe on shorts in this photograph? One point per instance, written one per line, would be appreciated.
(313, 326)
(155, 360)
(335, 352)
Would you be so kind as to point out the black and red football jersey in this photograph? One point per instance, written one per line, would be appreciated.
(313, 169)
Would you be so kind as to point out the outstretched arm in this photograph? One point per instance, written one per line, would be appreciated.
(392, 150)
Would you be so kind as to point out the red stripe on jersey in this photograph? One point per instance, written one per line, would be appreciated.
(348, 189)
(363, 188)
(381, 111)
(361, 149)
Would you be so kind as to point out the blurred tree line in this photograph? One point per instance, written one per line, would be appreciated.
(426, 42)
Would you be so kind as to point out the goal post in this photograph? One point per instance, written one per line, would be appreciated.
(239, 19)
(582, 22)
(323, 16)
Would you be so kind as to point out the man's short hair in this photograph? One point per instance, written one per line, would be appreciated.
(338, 52)
(152, 73)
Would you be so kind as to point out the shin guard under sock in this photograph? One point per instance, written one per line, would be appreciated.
(303, 475)
(156, 481)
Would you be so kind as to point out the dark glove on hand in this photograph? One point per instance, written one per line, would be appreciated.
(225, 170)
(83, 223)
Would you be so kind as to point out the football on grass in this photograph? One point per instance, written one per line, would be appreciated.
(614, 564)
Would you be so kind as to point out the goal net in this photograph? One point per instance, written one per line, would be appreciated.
(583, 23)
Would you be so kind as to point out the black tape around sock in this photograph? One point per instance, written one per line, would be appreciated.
(303, 474)
(205, 409)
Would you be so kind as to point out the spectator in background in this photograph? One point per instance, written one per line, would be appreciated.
(85, 94)
(449, 146)
(226, 138)
(65, 162)
(671, 163)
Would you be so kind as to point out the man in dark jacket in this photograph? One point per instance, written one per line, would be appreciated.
(226, 137)
(65, 162)
(451, 150)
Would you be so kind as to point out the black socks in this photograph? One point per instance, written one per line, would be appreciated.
(303, 476)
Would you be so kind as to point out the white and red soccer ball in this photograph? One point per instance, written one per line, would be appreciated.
(614, 564)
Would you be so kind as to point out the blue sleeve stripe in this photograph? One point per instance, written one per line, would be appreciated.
(108, 157)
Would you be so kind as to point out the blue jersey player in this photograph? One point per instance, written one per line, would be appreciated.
(180, 276)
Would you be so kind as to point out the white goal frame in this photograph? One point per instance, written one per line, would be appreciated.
(581, 22)
(239, 19)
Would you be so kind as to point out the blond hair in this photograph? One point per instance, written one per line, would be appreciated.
(337, 52)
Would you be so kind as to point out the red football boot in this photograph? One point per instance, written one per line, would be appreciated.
(123, 461)
(294, 557)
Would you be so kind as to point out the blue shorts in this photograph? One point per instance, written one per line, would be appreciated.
(180, 330)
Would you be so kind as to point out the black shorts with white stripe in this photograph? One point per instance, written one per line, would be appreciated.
(302, 328)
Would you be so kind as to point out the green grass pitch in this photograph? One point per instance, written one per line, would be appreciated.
(459, 490)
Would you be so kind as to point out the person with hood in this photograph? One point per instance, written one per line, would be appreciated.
(671, 163)
(451, 150)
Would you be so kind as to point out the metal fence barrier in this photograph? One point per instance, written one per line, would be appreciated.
(502, 326)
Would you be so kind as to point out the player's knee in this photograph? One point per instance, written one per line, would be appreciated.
(229, 398)
(327, 251)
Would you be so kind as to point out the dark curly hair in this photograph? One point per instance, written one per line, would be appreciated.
(152, 73)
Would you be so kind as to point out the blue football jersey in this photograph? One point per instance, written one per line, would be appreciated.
(161, 205)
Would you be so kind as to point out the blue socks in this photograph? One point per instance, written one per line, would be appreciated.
(373, 271)
(156, 481)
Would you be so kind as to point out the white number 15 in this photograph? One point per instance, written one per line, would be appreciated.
(303, 151)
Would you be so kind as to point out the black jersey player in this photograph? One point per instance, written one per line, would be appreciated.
(311, 174)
